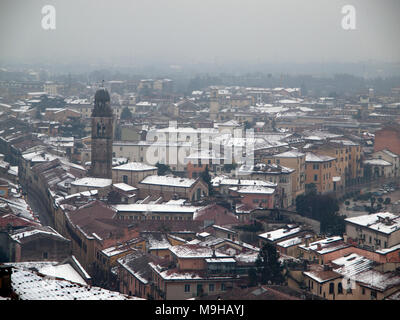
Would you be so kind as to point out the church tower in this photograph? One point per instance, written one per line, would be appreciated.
(102, 136)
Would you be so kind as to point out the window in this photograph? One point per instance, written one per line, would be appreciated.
(199, 289)
(223, 287)
(211, 287)
(187, 287)
(349, 285)
(315, 177)
(340, 288)
(373, 295)
(45, 255)
(363, 290)
(331, 288)
(125, 179)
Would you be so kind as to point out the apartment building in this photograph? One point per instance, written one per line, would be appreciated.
(321, 171)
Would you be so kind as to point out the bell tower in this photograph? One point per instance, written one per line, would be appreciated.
(102, 136)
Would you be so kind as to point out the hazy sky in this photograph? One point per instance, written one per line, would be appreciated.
(197, 31)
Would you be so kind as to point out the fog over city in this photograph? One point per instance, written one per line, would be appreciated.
(288, 35)
(218, 151)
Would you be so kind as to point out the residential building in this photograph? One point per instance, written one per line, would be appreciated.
(376, 231)
(132, 173)
(321, 171)
(388, 138)
(295, 160)
(172, 187)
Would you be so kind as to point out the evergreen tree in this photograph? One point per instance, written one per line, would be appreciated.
(252, 277)
(163, 169)
(323, 208)
(126, 114)
(268, 265)
(113, 197)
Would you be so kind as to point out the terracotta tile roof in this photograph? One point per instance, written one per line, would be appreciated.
(174, 226)
(96, 217)
(259, 293)
(218, 214)
(15, 221)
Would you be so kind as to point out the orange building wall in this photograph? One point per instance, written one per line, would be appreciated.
(388, 138)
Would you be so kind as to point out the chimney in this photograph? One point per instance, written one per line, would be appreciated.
(319, 246)
(327, 267)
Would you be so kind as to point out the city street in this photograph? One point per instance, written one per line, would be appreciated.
(39, 210)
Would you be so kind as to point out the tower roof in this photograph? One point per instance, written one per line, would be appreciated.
(102, 95)
(102, 104)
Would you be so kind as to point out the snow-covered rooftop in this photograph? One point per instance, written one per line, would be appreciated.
(92, 182)
(290, 154)
(196, 251)
(220, 260)
(169, 181)
(241, 182)
(31, 231)
(377, 162)
(352, 264)
(279, 233)
(290, 242)
(124, 187)
(322, 276)
(135, 166)
(377, 280)
(64, 271)
(29, 285)
(311, 157)
(384, 222)
(326, 245)
(169, 208)
(256, 189)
